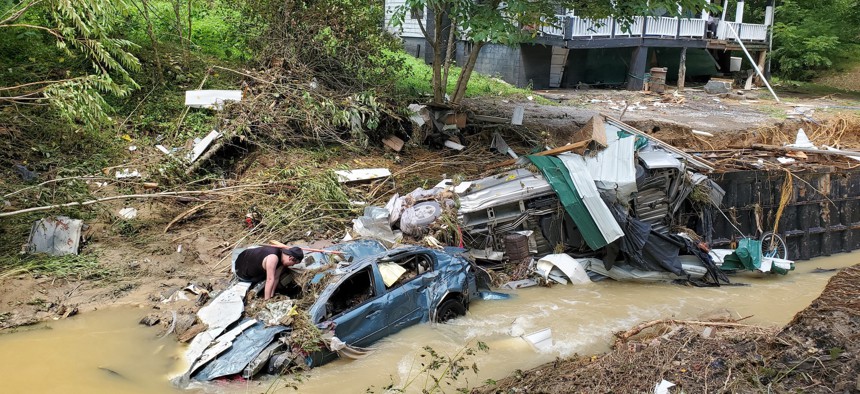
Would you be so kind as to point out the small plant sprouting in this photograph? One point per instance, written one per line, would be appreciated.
(440, 372)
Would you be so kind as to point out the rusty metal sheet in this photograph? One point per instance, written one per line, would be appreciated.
(57, 236)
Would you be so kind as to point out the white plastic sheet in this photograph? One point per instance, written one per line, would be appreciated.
(212, 99)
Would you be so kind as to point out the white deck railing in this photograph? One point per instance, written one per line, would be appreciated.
(723, 31)
(651, 26)
(554, 27)
(753, 32)
(634, 30)
(590, 28)
(692, 28)
(661, 26)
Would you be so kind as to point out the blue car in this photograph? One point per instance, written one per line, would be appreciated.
(385, 293)
(372, 293)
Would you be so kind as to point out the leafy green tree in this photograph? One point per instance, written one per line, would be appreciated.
(810, 35)
(511, 22)
(79, 29)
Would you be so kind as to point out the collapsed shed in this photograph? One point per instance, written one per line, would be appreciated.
(621, 204)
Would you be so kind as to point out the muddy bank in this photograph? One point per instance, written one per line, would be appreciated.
(817, 352)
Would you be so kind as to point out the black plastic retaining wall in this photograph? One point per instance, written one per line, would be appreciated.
(821, 218)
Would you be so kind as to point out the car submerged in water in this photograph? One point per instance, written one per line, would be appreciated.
(372, 293)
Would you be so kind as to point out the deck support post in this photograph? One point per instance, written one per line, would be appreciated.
(682, 69)
(638, 65)
(762, 59)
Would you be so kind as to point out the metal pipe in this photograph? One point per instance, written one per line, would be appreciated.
(754, 64)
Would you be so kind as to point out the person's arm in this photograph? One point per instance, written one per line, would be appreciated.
(273, 271)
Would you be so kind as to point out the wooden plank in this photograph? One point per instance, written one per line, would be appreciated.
(554, 151)
(490, 119)
(594, 130)
(762, 58)
(394, 143)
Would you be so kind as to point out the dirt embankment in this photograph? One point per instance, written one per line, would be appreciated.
(817, 352)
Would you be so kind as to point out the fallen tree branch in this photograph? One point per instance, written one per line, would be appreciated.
(185, 214)
(177, 194)
(86, 178)
(637, 329)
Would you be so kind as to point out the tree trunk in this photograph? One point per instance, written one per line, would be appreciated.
(149, 31)
(449, 53)
(179, 27)
(438, 87)
(466, 73)
(189, 24)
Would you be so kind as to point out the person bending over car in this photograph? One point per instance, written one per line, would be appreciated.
(267, 263)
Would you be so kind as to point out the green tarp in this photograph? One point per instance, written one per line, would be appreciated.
(558, 177)
(747, 256)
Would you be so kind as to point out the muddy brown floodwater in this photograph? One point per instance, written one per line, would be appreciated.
(107, 351)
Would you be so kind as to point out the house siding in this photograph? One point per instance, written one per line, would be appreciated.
(410, 28)
(496, 61)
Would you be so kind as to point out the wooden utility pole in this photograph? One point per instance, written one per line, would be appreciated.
(682, 69)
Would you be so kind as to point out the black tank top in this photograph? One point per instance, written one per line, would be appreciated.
(249, 264)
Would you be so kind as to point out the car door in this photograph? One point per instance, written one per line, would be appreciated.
(407, 299)
(360, 308)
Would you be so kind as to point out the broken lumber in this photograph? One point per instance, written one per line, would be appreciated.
(623, 335)
(491, 119)
(696, 162)
(554, 151)
(787, 149)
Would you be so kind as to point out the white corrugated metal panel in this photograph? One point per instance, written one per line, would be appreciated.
(504, 188)
(614, 168)
(584, 183)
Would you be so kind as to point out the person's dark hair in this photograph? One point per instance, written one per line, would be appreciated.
(296, 252)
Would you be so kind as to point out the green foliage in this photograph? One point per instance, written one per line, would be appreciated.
(809, 36)
(81, 29)
(218, 27)
(338, 41)
(414, 81)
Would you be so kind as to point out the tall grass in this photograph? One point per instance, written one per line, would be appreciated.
(83, 266)
(415, 80)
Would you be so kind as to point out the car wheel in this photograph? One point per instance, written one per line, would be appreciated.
(448, 310)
